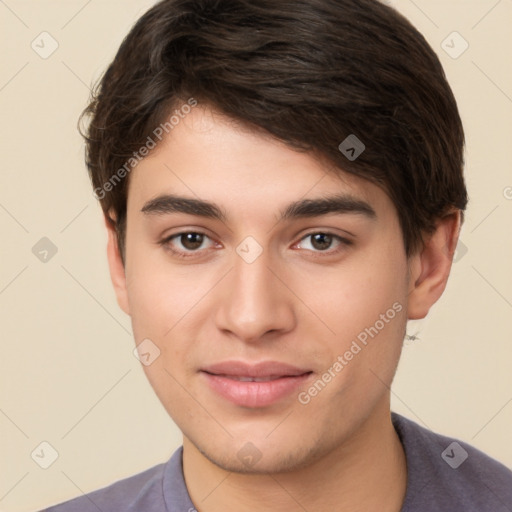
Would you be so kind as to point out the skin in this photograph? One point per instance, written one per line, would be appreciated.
(295, 303)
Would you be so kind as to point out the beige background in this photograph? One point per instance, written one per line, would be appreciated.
(68, 373)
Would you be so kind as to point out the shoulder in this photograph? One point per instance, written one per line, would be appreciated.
(143, 491)
(449, 474)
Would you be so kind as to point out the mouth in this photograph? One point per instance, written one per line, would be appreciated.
(252, 379)
(254, 385)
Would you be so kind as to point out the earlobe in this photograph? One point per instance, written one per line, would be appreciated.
(430, 267)
(117, 269)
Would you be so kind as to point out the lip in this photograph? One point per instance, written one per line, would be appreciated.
(279, 381)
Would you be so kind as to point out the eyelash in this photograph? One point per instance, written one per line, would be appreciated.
(166, 243)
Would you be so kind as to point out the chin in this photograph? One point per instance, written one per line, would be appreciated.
(270, 460)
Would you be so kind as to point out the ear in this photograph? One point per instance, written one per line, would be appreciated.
(430, 267)
(117, 271)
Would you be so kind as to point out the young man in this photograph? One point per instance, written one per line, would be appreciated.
(282, 187)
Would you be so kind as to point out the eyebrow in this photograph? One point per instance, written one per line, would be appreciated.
(339, 203)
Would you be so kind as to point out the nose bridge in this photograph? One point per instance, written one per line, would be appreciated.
(254, 301)
(253, 287)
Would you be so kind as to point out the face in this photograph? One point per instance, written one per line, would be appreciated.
(278, 328)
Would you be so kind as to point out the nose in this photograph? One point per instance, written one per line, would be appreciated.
(253, 301)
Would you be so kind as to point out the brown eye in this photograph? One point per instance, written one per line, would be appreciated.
(321, 241)
(187, 244)
(191, 241)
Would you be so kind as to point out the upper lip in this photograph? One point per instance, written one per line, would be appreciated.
(261, 369)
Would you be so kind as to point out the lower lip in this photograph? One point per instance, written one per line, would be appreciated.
(255, 394)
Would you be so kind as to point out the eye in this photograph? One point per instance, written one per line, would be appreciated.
(188, 244)
(185, 244)
(322, 241)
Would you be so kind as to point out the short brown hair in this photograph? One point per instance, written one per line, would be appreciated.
(308, 72)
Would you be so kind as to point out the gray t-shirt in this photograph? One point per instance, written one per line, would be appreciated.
(443, 475)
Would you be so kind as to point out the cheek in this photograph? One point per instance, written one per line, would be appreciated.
(364, 304)
(349, 298)
(159, 296)
(378, 320)
(163, 301)
(159, 303)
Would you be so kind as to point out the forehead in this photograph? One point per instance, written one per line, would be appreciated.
(210, 156)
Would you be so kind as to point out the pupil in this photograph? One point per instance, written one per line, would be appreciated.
(323, 239)
(191, 240)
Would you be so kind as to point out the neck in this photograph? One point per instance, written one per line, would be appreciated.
(367, 473)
